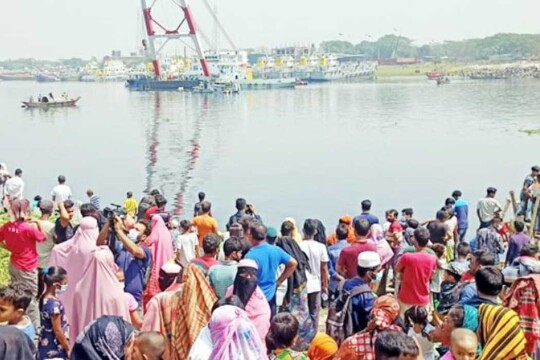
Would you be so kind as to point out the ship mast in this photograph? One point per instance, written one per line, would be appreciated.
(186, 29)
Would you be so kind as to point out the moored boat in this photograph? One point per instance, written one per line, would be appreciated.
(47, 77)
(16, 76)
(146, 83)
(265, 84)
(55, 103)
(434, 75)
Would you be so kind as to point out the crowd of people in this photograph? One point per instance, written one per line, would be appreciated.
(137, 283)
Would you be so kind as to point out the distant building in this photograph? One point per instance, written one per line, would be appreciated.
(294, 51)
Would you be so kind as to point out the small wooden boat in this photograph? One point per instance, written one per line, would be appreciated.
(434, 75)
(49, 104)
(300, 82)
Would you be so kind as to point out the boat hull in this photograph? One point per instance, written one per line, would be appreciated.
(7, 77)
(51, 104)
(320, 77)
(434, 75)
(47, 78)
(144, 84)
(267, 84)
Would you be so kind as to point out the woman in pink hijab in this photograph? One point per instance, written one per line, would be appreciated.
(376, 236)
(74, 256)
(97, 293)
(234, 336)
(160, 241)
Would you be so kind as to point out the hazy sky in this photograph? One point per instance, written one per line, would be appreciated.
(50, 29)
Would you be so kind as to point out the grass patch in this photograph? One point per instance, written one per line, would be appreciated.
(417, 69)
(4, 257)
(4, 261)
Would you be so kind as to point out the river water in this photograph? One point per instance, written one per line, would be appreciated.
(315, 151)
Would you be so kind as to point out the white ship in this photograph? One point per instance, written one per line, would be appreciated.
(333, 68)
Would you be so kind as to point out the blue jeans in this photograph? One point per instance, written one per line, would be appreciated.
(462, 233)
(273, 307)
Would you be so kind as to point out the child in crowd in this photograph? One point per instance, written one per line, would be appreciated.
(452, 224)
(148, 346)
(130, 205)
(35, 203)
(412, 225)
(463, 252)
(281, 336)
(449, 287)
(53, 339)
(435, 285)
(133, 308)
(463, 345)
(419, 328)
(174, 228)
(14, 300)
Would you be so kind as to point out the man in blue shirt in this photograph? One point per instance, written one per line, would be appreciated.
(479, 259)
(133, 259)
(368, 263)
(342, 232)
(461, 209)
(366, 207)
(268, 259)
(489, 283)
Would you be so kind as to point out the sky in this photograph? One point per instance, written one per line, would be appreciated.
(52, 29)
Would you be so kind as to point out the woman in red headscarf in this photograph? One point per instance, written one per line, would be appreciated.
(361, 346)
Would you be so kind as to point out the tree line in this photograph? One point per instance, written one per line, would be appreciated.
(515, 46)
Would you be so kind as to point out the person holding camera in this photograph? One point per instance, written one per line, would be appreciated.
(243, 209)
(132, 258)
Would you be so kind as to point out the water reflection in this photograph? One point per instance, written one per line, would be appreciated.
(173, 147)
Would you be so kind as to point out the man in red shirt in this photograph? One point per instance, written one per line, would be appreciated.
(348, 258)
(416, 270)
(394, 234)
(20, 238)
(211, 249)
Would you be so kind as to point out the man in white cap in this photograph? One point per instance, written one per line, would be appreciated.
(359, 288)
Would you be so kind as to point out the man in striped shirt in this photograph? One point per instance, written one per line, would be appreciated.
(94, 199)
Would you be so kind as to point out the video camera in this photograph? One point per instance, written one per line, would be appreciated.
(117, 211)
(111, 214)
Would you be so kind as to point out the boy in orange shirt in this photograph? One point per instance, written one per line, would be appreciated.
(205, 223)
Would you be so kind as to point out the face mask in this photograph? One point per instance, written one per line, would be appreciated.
(133, 235)
(62, 289)
(376, 277)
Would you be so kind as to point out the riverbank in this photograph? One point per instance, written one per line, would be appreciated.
(386, 71)
(452, 69)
